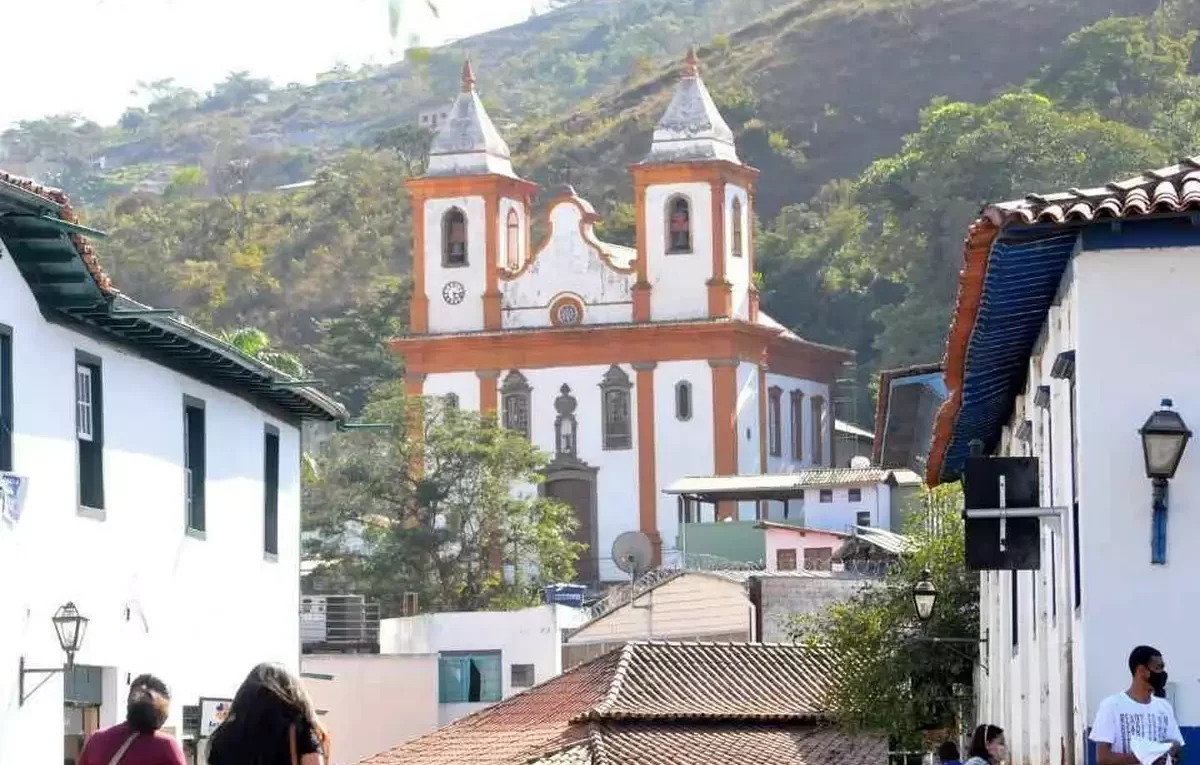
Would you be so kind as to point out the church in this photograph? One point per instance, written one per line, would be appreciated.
(630, 367)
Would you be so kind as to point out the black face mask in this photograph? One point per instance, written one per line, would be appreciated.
(1158, 681)
(142, 715)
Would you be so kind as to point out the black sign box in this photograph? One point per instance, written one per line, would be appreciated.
(1023, 536)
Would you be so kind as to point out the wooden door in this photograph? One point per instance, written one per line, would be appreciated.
(577, 493)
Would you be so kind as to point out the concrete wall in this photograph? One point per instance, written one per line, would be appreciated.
(403, 693)
(689, 605)
(785, 597)
(158, 600)
(528, 636)
(799, 540)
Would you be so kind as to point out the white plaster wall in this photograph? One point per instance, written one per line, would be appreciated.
(787, 462)
(528, 636)
(1128, 360)
(467, 315)
(568, 264)
(737, 270)
(183, 625)
(841, 514)
(406, 685)
(506, 205)
(748, 436)
(1035, 688)
(679, 280)
(465, 385)
(685, 447)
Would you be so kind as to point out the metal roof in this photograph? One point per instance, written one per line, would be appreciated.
(55, 256)
(888, 541)
(783, 486)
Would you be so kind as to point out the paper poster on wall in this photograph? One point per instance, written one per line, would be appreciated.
(212, 714)
(12, 495)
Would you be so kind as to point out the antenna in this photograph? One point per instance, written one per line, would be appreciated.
(632, 552)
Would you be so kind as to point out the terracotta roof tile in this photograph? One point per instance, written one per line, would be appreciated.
(626, 706)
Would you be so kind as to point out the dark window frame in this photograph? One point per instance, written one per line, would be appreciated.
(736, 228)
(89, 463)
(455, 259)
(7, 419)
(271, 492)
(515, 391)
(672, 210)
(512, 229)
(614, 399)
(468, 656)
(683, 401)
(854, 494)
(818, 559)
(797, 403)
(195, 465)
(824, 496)
(775, 421)
(785, 553)
(520, 680)
(858, 518)
(818, 430)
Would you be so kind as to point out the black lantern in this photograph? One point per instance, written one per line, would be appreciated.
(1164, 437)
(70, 626)
(924, 596)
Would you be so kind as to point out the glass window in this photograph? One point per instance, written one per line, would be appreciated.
(818, 559)
(683, 400)
(514, 403)
(454, 238)
(679, 225)
(736, 229)
(523, 676)
(271, 491)
(797, 402)
(513, 250)
(6, 399)
(785, 560)
(863, 518)
(89, 427)
(469, 677)
(818, 430)
(775, 422)
(618, 429)
(194, 463)
(826, 495)
(855, 495)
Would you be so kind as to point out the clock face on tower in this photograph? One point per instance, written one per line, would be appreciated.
(454, 292)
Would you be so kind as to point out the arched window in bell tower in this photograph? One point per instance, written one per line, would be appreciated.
(679, 225)
(454, 238)
(736, 228)
(512, 253)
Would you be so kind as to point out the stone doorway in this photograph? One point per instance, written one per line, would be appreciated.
(574, 483)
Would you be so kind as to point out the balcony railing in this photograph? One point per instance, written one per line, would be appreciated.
(338, 624)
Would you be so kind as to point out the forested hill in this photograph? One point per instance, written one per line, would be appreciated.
(880, 127)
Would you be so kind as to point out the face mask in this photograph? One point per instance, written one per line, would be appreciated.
(1158, 681)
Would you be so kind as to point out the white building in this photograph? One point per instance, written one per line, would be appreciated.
(1074, 317)
(484, 656)
(160, 493)
(632, 366)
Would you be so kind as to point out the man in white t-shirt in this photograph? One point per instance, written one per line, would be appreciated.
(1142, 711)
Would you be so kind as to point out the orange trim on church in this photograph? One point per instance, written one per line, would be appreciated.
(641, 288)
(762, 418)
(492, 315)
(418, 307)
(620, 344)
(488, 391)
(753, 297)
(720, 291)
(647, 458)
(588, 218)
(725, 426)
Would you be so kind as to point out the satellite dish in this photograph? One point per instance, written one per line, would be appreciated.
(860, 462)
(632, 552)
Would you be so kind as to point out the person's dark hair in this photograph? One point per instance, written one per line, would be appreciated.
(1141, 656)
(148, 705)
(984, 735)
(255, 732)
(947, 751)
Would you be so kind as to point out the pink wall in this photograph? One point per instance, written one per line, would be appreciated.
(780, 537)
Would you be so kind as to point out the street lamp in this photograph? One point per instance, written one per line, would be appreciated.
(1164, 438)
(70, 627)
(924, 596)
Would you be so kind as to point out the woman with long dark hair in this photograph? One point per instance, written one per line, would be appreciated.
(270, 722)
(987, 746)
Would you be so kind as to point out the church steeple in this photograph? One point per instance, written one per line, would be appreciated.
(468, 143)
(692, 129)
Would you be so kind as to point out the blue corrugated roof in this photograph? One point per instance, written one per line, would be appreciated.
(1020, 284)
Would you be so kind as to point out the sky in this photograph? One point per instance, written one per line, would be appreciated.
(86, 56)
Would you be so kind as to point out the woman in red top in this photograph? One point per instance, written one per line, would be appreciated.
(137, 741)
(270, 722)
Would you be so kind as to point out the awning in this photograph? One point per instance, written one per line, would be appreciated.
(782, 486)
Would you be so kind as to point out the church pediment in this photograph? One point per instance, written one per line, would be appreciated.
(571, 261)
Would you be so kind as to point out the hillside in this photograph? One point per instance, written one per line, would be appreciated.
(880, 126)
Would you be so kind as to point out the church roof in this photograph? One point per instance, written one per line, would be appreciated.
(467, 143)
(692, 130)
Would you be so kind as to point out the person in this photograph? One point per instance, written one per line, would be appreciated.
(987, 746)
(1140, 711)
(137, 741)
(270, 722)
(947, 753)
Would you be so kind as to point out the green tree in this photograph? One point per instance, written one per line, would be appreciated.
(433, 514)
(256, 344)
(892, 681)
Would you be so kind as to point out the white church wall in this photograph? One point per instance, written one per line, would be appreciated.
(685, 447)
(748, 457)
(787, 462)
(679, 290)
(468, 314)
(568, 264)
(465, 385)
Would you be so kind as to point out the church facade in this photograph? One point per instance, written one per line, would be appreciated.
(632, 367)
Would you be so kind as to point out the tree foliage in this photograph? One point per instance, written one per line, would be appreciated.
(433, 514)
(892, 681)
